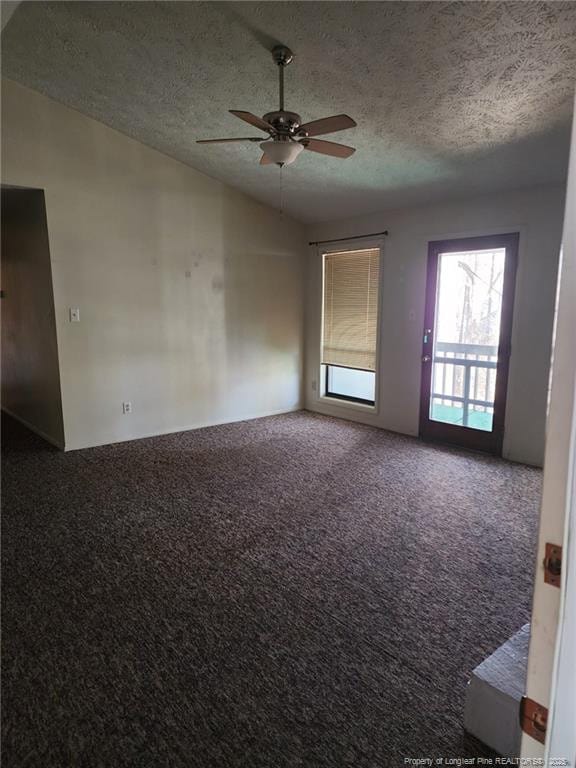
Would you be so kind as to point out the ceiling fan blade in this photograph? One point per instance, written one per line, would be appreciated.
(328, 125)
(265, 160)
(221, 141)
(328, 148)
(254, 120)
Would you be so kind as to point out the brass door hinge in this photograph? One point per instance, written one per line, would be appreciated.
(552, 564)
(533, 719)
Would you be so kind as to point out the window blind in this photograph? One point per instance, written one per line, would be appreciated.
(351, 281)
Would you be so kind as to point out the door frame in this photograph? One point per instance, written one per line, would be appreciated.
(467, 437)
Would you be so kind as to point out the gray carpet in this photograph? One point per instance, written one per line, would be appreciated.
(290, 591)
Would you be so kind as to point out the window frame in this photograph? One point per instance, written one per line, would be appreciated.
(324, 396)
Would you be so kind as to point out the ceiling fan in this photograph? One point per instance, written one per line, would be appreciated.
(287, 136)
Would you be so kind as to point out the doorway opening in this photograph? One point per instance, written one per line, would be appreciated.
(30, 382)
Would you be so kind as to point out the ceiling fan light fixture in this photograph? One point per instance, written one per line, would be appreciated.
(281, 152)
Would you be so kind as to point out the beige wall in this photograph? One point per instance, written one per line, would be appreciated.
(190, 294)
(30, 375)
(537, 214)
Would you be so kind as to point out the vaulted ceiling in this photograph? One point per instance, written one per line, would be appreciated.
(450, 98)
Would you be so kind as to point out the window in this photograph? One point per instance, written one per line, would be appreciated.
(350, 323)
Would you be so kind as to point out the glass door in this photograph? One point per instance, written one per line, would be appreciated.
(466, 341)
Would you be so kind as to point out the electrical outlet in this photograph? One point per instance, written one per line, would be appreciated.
(74, 314)
(314, 385)
(127, 407)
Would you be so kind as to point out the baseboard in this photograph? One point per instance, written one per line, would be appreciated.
(341, 410)
(36, 430)
(187, 428)
(366, 420)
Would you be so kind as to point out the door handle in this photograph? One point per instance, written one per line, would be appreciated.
(426, 359)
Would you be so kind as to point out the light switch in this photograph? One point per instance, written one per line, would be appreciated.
(74, 314)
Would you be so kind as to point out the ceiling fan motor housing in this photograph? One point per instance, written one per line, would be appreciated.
(284, 122)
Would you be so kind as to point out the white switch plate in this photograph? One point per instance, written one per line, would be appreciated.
(127, 407)
(74, 314)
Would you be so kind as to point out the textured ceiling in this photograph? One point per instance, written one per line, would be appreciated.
(450, 98)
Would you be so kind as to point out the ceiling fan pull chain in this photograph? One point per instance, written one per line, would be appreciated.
(281, 194)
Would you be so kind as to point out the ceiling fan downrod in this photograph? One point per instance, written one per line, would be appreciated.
(282, 56)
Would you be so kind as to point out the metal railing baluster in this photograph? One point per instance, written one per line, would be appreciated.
(480, 357)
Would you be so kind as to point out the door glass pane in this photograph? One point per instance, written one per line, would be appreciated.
(466, 337)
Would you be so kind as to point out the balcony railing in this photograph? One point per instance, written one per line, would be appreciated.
(464, 377)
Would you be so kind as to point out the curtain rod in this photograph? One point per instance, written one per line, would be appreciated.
(345, 239)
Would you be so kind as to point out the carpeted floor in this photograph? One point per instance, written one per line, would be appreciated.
(290, 591)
